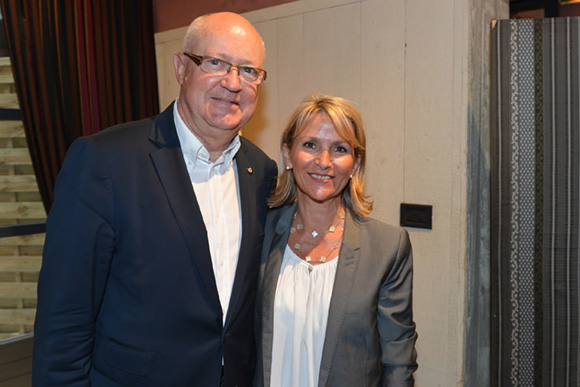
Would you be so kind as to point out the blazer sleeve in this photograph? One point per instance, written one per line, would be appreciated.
(395, 318)
(77, 256)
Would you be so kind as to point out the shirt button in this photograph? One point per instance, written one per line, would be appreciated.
(189, 162)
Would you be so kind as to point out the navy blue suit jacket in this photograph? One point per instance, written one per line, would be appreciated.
(127, 294)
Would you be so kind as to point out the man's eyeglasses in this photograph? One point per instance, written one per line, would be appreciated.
(216, 66)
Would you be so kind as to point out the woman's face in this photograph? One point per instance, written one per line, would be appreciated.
(321, 160)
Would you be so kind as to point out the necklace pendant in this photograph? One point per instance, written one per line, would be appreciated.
(314, 234)
(299, 226)
(308, 258)
(297, 246)
(292, 230)
(322, 259)
(331, 229)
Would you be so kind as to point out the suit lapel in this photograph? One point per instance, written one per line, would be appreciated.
(171, 170)
(248, 195)
(343, 285)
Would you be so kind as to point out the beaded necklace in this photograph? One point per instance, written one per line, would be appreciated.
(314, 234)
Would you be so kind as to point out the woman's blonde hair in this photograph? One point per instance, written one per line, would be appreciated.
(348, 124)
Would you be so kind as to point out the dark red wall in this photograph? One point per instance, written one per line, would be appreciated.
(171, 14)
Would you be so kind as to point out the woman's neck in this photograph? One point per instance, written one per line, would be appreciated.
(318, 216)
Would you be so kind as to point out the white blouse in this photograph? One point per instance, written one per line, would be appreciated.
(301, 308)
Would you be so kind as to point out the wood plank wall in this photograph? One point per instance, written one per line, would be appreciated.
(20, 202)
(16, 361)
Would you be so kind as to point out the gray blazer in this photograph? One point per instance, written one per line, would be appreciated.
(370, 336)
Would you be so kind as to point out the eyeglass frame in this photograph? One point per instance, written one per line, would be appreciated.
(198, 59)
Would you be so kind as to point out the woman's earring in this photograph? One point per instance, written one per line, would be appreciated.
(287, 168)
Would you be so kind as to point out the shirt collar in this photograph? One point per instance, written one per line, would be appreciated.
(193, 150)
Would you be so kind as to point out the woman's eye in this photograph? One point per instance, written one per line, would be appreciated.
(341, 149)
(309, 145)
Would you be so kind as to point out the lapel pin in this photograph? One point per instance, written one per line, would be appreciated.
(250, 170)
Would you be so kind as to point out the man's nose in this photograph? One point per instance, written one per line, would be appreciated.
(231, 80)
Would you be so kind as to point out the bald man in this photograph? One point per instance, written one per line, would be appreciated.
(152, 248)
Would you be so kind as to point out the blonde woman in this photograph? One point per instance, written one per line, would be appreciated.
(334, 304)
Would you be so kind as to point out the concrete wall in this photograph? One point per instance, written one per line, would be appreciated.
(415, 69)
(477, 271)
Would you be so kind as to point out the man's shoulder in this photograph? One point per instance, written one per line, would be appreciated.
(275, 214)
(253, 151)
(119, 141)
(143, 128)
(259, 160)
(124, 130)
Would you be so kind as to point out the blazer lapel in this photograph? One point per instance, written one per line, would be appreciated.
(171, 170)
(248, 195)
(268, 291)
(343, 284)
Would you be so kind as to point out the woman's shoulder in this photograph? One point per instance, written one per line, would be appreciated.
(375, 225)
(379, 231)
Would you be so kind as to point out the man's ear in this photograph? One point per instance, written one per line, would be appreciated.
(179, 67)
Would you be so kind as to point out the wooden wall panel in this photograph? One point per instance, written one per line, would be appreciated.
(290, 79)
(332, 51)
(432, 176)
(264, 128)
(383, 102)
(167, 44)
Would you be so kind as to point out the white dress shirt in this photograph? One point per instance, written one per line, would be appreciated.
(301, 307)
(216, 188)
